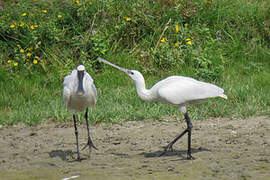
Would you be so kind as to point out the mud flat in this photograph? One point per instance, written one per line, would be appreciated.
(223, 148)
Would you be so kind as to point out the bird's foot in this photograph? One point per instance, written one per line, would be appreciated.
(166, 149)
(90, 145)
(189, 157)
(78, 158)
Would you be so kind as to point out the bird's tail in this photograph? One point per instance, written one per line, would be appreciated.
(223, 96)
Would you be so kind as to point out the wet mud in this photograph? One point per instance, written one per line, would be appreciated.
(222, 148)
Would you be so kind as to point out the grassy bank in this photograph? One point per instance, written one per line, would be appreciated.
(223, 42)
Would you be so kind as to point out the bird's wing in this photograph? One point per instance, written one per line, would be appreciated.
(66, 96)
(88, 77)
(68, 79)
(94, 90)
(68, 83)
(89, 84)
(184, 90)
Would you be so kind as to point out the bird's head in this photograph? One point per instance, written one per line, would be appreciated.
(135, 75)
(80, 75)
(80, 68)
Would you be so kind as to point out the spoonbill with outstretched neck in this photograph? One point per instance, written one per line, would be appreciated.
(176, 90)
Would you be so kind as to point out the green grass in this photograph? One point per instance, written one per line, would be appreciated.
(236, 59)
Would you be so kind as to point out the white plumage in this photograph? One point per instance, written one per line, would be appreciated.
(79, 92)
(175, 90)
(74, 102)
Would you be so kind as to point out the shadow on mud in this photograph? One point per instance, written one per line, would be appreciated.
(64, 155)
(181, 153)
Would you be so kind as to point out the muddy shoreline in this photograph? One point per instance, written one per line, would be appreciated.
(223, 149)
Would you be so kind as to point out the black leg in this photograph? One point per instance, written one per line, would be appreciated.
(76, 134)
(169, 146)
(187, 130)
(89, 142)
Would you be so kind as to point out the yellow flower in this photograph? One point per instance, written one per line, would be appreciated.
(176, 28)
(12, 26)
(128, 18)
(32, 27)
(9, 61)
(18, 45)
(162, 39)
(30, 49)
(15, 64)
(28, 54)
(24, 14)
(90, 3)
(21, 50)
(21, 24)
(76, 1)
(44, 11)
(176, 44)
(35, 61)
(35, 26)
(59, 16)
(188, 41)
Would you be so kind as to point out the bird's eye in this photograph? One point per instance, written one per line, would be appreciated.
(130, 72)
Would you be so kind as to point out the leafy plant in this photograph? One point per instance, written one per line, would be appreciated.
(226, 42)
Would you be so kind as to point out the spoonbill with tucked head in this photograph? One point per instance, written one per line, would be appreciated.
(79, 93)
(176, 90)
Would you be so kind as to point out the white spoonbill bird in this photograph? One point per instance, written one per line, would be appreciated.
(176, 90)
(79, 92)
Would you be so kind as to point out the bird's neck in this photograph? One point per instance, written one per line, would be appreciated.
(144, 94)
